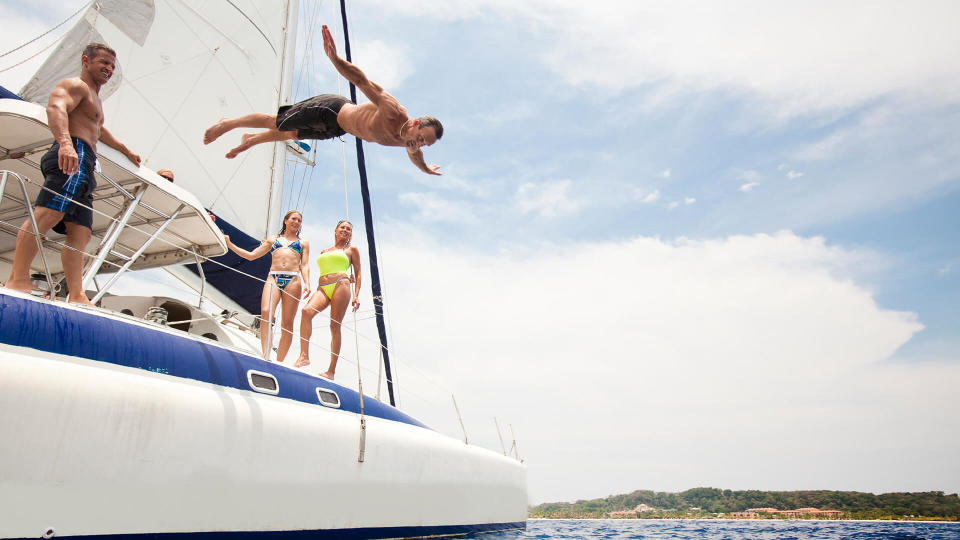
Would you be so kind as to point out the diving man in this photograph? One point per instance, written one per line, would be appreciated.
(383, 120)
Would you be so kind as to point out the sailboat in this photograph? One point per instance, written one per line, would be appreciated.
(151, 416)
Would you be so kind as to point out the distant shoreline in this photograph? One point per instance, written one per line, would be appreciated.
(765, 519)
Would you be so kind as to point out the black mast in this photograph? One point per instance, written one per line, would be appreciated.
(368, 222)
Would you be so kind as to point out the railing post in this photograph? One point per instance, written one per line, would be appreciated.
(133, 258)
(111, 237)
(33, 222)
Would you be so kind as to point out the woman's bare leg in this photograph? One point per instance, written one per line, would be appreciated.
(266, 309)
(288, 310)
(252, 120)
(317, 303)
(339, 303)
(251, 139)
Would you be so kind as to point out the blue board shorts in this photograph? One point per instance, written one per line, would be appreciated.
(69, 189)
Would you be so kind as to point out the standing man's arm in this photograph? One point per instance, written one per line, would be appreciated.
(352, 73)
(63, 100)
(112, 142)
(416, 156)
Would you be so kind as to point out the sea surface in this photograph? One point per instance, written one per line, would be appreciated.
(732, 530)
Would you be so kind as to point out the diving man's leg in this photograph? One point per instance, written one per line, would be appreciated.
(252, 120)
(251, 139)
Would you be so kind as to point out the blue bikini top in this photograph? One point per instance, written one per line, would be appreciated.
(295, 245)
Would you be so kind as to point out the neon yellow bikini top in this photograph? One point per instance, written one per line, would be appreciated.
(333, 262)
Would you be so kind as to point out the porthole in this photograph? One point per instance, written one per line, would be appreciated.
(263, 382)
(328, 398)
(211, 335)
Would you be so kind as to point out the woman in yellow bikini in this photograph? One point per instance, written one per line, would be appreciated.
(334, 291)
(283, 284)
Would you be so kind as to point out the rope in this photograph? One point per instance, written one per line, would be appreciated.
(29, 58)
(63, 22)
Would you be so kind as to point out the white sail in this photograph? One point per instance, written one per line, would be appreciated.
(181, 66)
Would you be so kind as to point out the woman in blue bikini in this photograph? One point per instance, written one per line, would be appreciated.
(288, 281)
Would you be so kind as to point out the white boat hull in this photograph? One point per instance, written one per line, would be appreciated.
(95, 448)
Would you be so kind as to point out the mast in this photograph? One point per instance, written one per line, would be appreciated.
(368, 224)
(283, 96)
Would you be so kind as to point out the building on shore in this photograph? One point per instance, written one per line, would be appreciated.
(799, 513)
(640, 508)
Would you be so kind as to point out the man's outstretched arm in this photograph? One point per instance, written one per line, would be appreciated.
(112, 142)
(416, 156)
(352, 73)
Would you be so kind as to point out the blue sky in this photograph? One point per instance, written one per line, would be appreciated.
(684, 243)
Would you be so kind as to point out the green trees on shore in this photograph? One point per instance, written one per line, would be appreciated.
(709, 502)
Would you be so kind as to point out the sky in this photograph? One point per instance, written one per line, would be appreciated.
(675, 244)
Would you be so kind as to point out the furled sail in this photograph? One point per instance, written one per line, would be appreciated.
(181, 66)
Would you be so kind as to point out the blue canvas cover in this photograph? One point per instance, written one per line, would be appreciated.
(241, 289)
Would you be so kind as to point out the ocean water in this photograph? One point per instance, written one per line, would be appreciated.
(732, 530)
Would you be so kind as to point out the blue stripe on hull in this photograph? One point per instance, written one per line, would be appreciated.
(44, 326)
(349, 534)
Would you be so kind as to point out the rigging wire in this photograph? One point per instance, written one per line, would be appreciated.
(54, 42)
(24, 61)
(63, 22)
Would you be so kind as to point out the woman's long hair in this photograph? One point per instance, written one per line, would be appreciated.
(283, 228)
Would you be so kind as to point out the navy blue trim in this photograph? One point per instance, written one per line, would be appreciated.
(7, 94)
(352, 534)
(46, 326)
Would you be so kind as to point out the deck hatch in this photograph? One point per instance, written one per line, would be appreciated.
(263, 382)
(328, 398)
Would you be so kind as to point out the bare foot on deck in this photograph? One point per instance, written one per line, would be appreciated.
(327, 375)
(83, 300)
(22, 285)
(301, 361)
(244, 144)
(215, 131)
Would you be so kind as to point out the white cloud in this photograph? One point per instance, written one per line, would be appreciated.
(434, 208)
(387, 64)
(651, 197)
(800, 57)
(794, 174)
(748, 186)
(840, 141)
(689, 200)
(673, 204)
(548, 199)
(502, 115)
(666, 173)
(763, 348)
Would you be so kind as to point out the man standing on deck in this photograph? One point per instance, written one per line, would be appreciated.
(75, 117)
(383, 120)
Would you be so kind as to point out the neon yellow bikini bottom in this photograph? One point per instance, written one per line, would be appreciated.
(330, 287)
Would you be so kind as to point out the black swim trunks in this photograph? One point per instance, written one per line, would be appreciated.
(314, 118)
(70, 190)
